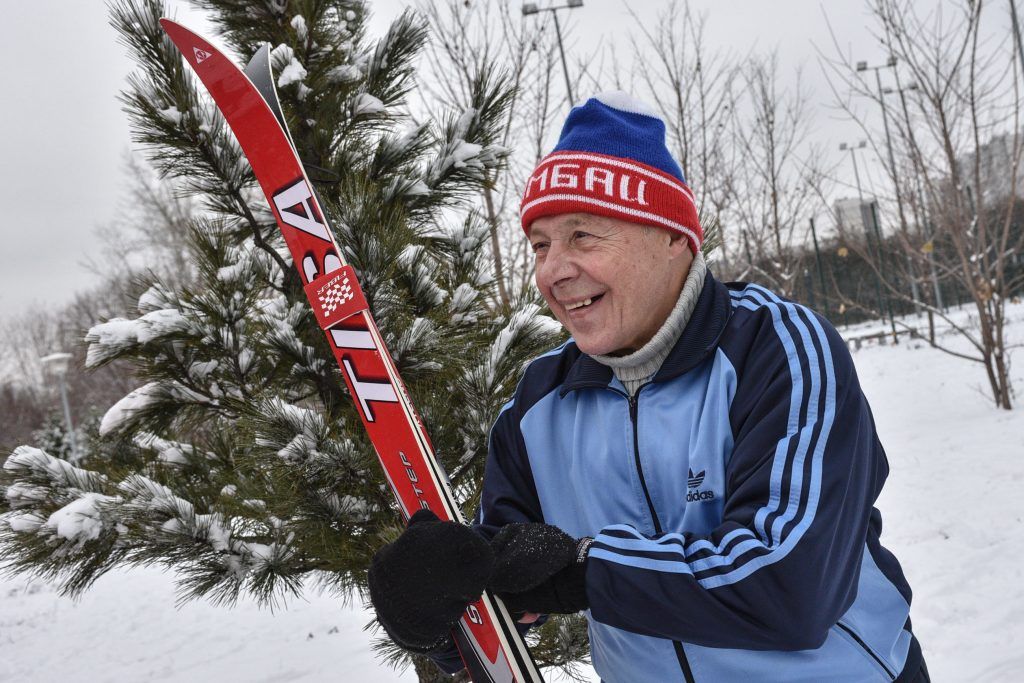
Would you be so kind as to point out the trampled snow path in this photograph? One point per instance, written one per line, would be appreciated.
(953, 511)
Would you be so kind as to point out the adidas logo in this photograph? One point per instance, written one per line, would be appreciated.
(693, 482)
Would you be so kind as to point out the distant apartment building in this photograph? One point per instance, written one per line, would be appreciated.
(851, 213)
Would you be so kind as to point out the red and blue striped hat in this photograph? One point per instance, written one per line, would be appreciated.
(611, 160)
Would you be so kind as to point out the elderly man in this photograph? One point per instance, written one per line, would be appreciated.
(696, 467)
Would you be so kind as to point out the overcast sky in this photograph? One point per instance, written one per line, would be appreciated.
(64, 135)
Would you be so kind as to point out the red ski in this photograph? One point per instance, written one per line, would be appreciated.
(487, 638)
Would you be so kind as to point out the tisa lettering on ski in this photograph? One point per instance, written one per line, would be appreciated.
(295, 208)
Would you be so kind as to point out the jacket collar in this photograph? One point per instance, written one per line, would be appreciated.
(698, 340)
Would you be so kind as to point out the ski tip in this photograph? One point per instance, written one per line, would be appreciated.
(174, 29)
(193, 46)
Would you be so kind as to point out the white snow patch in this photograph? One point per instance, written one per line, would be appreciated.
(291, 70)
(200, 370)
(79, 520)
(293, 73)
(366, 104)
(121, 411)
(464, 154)
(294, 412)
(171, 115)
(417, 189)
(297, 449)
(345, 73)
(233, 273)
(298, 23)
(548, 325)
(169, 451)
(23, 494)
(110, 338)
(173, 526)
(465, 120)
(153, 299)
(24, 523)
(463, 297)
(245, 359)
(27, 461)
(409, 254)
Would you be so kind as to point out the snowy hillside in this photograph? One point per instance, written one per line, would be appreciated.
(953, 511)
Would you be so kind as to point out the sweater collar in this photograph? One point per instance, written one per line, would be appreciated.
(697, 341)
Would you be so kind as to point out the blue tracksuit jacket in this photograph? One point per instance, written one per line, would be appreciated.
(731, 501)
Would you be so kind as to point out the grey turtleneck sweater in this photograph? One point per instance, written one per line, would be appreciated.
(635, 369)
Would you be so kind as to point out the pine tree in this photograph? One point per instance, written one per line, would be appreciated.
(239, 461)
(53, 437)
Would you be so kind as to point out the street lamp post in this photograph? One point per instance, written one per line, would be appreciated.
(530, 8)
(891, 64)
(57, 364)
(853, 157)
(867, 218)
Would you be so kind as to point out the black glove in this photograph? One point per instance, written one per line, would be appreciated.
(539, 568)
(421, 583)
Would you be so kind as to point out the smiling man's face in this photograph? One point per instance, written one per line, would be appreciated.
(611, 283)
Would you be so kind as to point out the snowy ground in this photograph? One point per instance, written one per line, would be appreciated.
(954, 516)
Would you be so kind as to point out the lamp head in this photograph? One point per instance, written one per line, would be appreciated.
(57, 363)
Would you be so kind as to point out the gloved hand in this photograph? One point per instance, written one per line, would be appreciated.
(539, 568)
(421, 583)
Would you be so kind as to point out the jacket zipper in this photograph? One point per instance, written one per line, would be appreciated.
(864, 646)
(633, 410)
(684, 663)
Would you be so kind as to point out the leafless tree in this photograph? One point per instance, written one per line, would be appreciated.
(145, 239)
(692, 86)
(27, 393)
(465, 36)
(956, 162)
(149, 230)
(774, 174)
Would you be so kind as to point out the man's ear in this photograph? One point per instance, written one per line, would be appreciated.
(678, 245)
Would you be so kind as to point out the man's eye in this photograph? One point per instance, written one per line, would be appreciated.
(539, 246)
(580, 235)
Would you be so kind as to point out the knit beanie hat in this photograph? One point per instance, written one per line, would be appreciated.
(611, 160)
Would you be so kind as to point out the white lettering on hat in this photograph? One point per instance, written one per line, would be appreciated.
(607, 179)
(542, 177)
(624, 190)
(560, 178)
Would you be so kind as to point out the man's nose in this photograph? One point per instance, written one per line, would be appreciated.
(558, 265)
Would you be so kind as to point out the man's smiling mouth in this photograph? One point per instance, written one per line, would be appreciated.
(580, 304)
